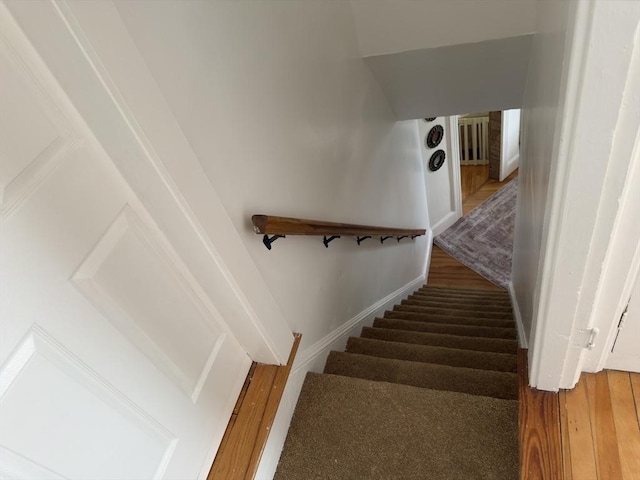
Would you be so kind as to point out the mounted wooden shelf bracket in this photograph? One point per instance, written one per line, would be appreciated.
(279, 227)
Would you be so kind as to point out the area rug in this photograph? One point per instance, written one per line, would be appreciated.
(483, 239)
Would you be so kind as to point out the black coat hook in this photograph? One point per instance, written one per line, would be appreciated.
(401, 237)
(414, 236)
(268, 241)
(382, 239)
(361, 239)
(326, 240)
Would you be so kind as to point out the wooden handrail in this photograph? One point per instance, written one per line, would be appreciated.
(282, 226)
(270, 225)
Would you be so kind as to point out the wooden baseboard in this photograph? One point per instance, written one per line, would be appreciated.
(246, 435)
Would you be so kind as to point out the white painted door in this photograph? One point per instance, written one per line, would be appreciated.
(114, 363)
(625, 353)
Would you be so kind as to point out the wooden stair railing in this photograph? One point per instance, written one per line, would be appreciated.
(280, 227)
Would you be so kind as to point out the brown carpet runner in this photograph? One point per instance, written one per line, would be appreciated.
(428, 392)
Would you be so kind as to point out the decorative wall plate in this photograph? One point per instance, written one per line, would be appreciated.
(437, 160)
(434, 137)
(430, 119)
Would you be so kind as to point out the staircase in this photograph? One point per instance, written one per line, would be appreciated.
(427, 392)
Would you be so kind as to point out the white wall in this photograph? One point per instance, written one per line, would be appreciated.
(444, 209)
(570, 178)
(510, 151)
(540, 135)
(467, 77)
(286, 119)
(390, 26)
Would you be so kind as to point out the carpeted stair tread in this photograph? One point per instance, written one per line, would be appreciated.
(353, 429)
(466, 312)
(459, 320)
(461, 300)
(465, 291)
(449, 297)
(425, 375)
(497, 345)
(437, 303)
(450, 329)
(502, 362)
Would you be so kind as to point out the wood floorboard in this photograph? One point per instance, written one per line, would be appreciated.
(623, 407)
(635, 388)
(602, 440)
(581, 451)
(472, 177)
(446, 271)
(607, 446)
(485, 191)
(539, 429)
(564, 435)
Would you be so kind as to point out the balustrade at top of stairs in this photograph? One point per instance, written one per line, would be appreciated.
(428, 391)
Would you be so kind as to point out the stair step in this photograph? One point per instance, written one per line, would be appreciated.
(422, 301)
(349, 428)
(448, 319)
(465, 312)
(497, 345)
(487, 383)
(449, 329)
(502, 362)
(465, 291)
(463, 297)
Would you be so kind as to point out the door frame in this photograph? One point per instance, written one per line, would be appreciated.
(577, 227)
(89, 51)
(453, 145)
(620, 269)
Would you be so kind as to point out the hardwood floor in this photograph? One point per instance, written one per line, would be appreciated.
(475, 198)
(539, 432)
(472, 177)
(600, 422)
(445, 270)
(589, 433)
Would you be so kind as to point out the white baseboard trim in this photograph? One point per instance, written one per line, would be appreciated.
(522, 338)
(448, 220)
(428, 254)
(311, 352)
(313, 357)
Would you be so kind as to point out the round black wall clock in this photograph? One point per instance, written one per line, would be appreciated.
(434, 137)
(437, 160)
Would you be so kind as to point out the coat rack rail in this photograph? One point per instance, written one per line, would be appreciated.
(279, 227)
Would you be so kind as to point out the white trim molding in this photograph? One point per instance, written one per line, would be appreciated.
(517, 317)
(340, 334)
(577, 227)
(453, 145)
(448, 220)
